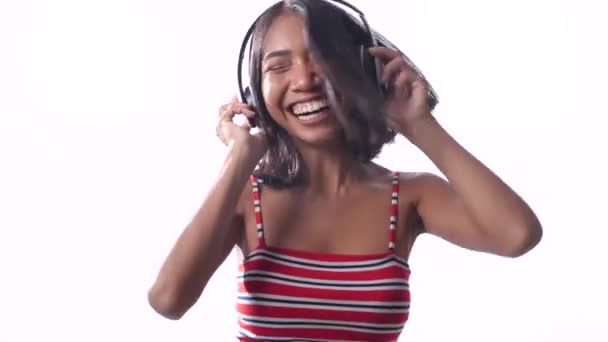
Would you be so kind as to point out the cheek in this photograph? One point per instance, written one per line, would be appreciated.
(272, 92)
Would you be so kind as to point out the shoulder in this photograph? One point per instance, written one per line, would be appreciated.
(410, 182)
(262, 189)
(416, 190)
(421, 183)
(245, 211)
(246, 199)
(423, 188)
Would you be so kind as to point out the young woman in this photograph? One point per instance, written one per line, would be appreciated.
(325, 232)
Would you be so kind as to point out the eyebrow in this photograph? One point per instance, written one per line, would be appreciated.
(276, 53)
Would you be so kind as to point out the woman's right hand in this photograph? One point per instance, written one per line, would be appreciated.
(231, 133)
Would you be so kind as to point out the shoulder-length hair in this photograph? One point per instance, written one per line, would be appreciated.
(335, 38)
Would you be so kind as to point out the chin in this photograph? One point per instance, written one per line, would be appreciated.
(319, 138)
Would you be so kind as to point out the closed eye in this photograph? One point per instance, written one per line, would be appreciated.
(277, 61)
(277, 68)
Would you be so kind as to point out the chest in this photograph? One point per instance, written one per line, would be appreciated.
(356, 223)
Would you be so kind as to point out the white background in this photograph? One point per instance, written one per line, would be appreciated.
(107, 147)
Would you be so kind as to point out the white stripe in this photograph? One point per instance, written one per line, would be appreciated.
(321, 268)
(328, 321)
(324, 281)
(330, 287)
(300, 326)
(388, 256)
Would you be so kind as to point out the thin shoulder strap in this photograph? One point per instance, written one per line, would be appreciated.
(394, 211)
(259, 223)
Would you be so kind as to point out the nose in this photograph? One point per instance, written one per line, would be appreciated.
(306, 76)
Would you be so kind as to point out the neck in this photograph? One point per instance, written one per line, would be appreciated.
(330, 170)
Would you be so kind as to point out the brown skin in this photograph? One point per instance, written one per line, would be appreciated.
(343, 205)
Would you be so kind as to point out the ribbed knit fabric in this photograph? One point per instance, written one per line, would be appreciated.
(292, 295)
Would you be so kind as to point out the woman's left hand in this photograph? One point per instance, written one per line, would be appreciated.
(407, 102)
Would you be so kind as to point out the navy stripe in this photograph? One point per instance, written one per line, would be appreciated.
(325, 324)
(389, 259)
(316, 283)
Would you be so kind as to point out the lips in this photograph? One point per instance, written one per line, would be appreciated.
(310, 111)
(309, 107)
(300, 104)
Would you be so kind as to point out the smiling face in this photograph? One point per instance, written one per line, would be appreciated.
(292, 83)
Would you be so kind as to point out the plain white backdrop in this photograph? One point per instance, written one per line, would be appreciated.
(107, 147)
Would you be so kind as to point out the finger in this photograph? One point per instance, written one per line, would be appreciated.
(249, 113)
(232, 109)
(420, 89)
(392, 123)
(403, 83)
(241, 121)
(389, 55)
(228, 114)
(236, 118)
(233, 102)
(245, 109)
(384, 53)
(218, 129)
(246, 125)
(391, 69)
(222, 108)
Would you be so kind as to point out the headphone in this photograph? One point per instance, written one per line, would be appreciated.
(368, 62)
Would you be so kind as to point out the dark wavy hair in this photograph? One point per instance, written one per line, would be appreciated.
(335, 38)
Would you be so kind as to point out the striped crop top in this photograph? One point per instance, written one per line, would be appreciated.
(292, 295)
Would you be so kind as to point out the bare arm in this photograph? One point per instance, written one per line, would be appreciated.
(213, 231)
(474, 208)
(205, 242)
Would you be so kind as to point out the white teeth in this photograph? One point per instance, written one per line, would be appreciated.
(307, 107)
(309, 117)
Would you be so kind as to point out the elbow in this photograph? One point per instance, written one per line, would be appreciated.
(165, 303)
(525, 238)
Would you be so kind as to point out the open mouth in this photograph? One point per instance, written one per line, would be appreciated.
(310, 111)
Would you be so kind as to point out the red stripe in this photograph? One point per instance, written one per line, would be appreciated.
(328, 256)
(390, 269)
(306, 313)
(258, 217)
(385, 295)
(333, 334)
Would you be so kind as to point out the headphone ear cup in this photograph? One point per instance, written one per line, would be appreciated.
(248, 96)
(249, 101)
(370, 66)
